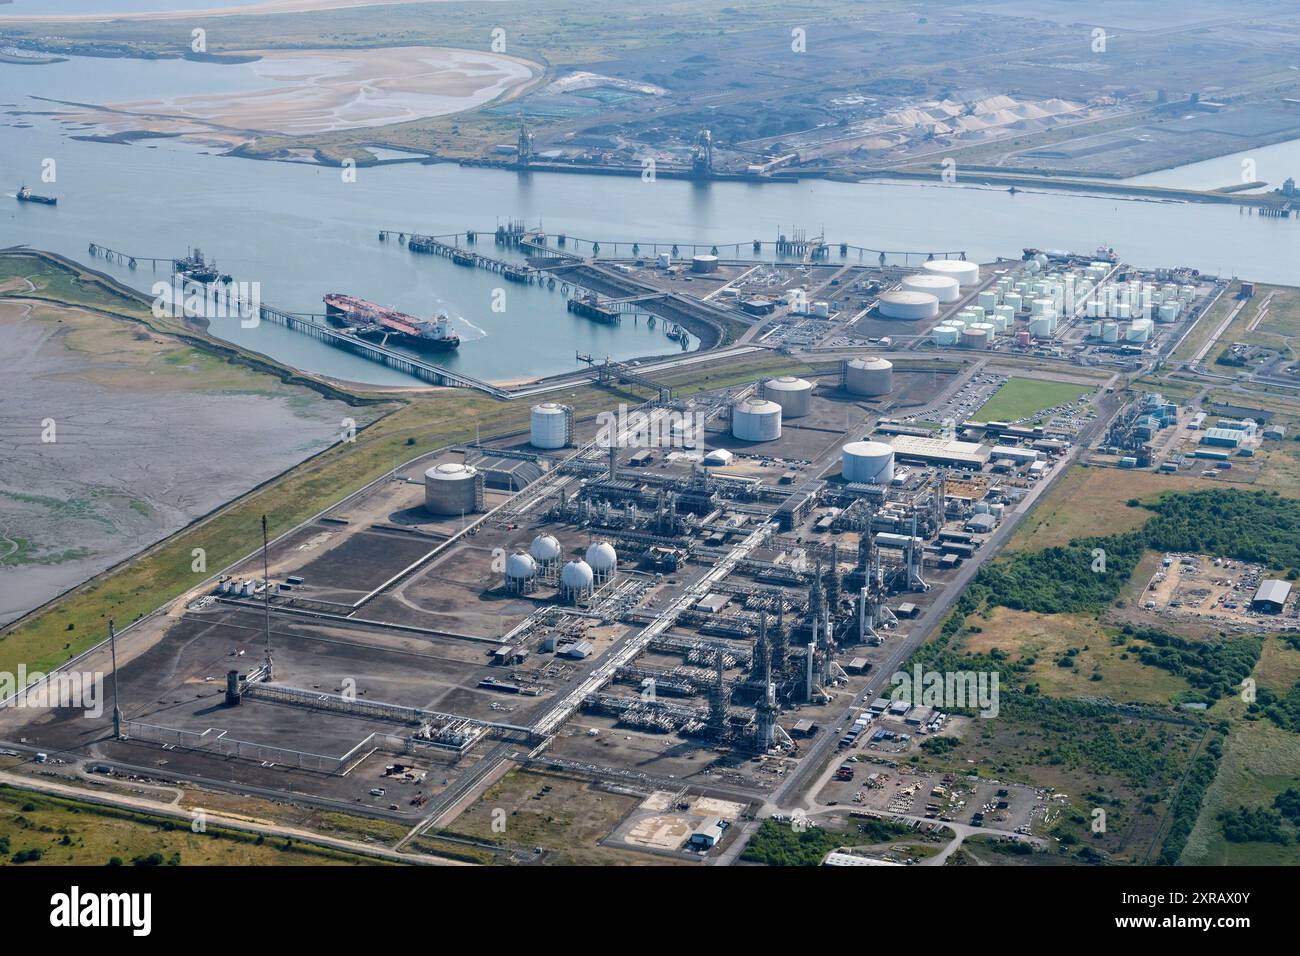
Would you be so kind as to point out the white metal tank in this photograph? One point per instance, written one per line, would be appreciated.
(943, 288)
(603, 560)
(945, 335)
(867, 462)
(988, 300)
(1110, 332)
(1015, 300)
(545, 550)
(575, 580)
(869, 376)
(966, 273)
(902, 304)
(452, 489)
(1139, 331)
(794, 395)
(756, 419)
(551, 425)
(1040, 326)
(521, 571)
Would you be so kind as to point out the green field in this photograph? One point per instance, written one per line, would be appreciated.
(1022, 397)
(36, 829)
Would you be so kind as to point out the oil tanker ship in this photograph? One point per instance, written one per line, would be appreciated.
(373, 322)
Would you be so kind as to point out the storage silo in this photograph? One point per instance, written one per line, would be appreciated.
(704, 264)
(966, 273)
(551, 425)
(756, 419)
(1139, 331)
(576, 580)
(1110, 332)
(867, 462)
(902, 304)
(603, 561)
(869, 376)
(977, 336)
(943, 288)
(521, 572)
(1040, 326)
(988, 300)
(945, 335)
(452, 489)
(794, 395)
(1014, 299)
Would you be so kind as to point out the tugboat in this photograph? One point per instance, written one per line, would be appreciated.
(370, 321)
(26, 195)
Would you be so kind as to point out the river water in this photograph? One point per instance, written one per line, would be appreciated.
(301, 230)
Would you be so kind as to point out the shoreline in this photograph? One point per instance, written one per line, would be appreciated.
(266, 7)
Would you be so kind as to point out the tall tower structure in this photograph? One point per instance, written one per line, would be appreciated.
(718, 703)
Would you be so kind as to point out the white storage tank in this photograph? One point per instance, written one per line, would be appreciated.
(1139, 331)
(576, 580)
(1167, 312)
(794, 395)
(545, 550)
(756, 419)
(988, 300)
(945, 335)
(603, 561)
(943, 288)
(867, 462)
(704, 264)
(1040, 326)
(909, 305)
(1015, 300)
(869, 376)
(452, 489)
(521, 572)
(966, 273)
(1110, 332)
(551, 425)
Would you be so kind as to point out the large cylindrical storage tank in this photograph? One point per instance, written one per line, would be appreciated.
(704, 263)
(1110, 332)
(756, 419)
(869, 376)
(943, 288)
(603, 561)
(976, 336)
(966, 273)
(550, 425)
(1040, 326)
(452, 489)
(576, 580)
(988, 300)
(1015, 300)
(945, 335)
(1139, 331)
(794, 395)
(909, 305)
(867, 462)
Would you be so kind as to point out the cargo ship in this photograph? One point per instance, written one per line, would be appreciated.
(26, 195)
(376, 322)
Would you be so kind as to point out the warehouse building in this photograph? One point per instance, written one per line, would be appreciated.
(1223, 437)
(1271, 597)
(940, 451)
